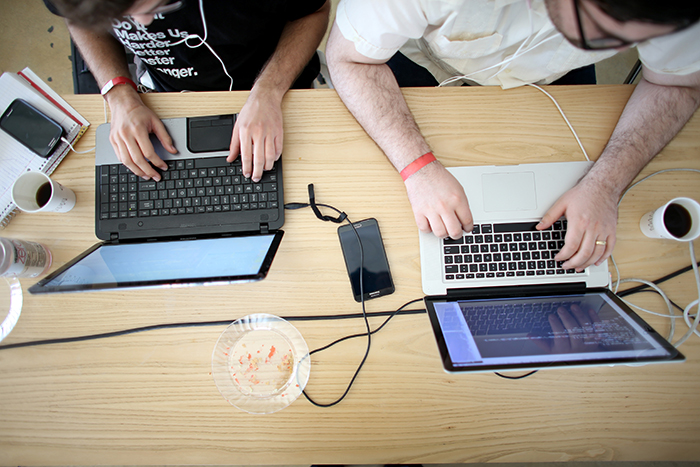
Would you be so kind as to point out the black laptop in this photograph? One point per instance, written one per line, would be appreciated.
(202, 223)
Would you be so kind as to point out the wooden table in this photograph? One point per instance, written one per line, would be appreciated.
(149, 398)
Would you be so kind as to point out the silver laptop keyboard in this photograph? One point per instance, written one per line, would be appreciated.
(504, 251)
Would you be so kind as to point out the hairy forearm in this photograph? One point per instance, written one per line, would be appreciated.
(651, 119)
(372, 95)
(296, 46)
(103, 54)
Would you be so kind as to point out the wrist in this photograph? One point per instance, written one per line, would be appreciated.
(262, 89)
(118, 81)
(122, 97)
(417, 165)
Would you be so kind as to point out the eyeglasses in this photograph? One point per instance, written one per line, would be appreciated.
(599, 43)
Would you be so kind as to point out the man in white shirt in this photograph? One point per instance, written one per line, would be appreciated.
(510, 43)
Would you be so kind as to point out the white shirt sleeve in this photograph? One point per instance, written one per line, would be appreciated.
(378, 28)
(674, 54)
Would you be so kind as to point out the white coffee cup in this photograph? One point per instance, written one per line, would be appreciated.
(679, 219)
(36, 192)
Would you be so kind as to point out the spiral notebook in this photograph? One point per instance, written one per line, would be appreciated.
(16, 159)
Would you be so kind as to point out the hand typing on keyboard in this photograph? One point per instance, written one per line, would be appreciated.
(505, 250)
(439, 202)
(592, 218)
(132, 122)
(258, 134)
(574, 330)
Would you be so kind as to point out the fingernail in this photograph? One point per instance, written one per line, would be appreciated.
(146, 177)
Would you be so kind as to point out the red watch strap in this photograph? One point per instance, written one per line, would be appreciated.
(416, 165)
(116, 81)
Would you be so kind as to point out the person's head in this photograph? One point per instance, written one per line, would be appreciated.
(618, 24)
(99, 14)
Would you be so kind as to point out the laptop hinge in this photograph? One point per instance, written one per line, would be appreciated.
(264, 229)
(518, 291)
(114, 236)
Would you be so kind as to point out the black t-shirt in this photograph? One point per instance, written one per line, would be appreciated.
(243, 33)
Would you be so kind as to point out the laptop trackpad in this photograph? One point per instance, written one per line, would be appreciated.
(509, 191)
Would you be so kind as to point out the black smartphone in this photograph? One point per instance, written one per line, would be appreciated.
(376, 277)
(31, 127)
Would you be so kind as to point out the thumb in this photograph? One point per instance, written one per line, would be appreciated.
(235, 147)
(163, 136)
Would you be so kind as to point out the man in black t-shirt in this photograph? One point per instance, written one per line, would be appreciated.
(266, 46)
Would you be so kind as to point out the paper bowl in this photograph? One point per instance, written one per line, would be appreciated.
(261, 363)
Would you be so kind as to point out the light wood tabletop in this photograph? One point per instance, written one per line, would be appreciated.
(149, 397)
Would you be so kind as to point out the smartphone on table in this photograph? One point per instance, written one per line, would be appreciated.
(31, 127)
(376, 277)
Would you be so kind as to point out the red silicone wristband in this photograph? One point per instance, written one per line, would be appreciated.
(116, 81)
(416, 165)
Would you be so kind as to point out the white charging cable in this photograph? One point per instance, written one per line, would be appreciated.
(578, 140)
(203, 41)
(73, 149)
(686, 312)
(504, 63)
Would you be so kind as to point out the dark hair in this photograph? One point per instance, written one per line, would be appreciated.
(680, 13)
(93, 14)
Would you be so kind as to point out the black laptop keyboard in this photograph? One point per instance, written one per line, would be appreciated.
(189, 186)
(512, 318)
(505, 251)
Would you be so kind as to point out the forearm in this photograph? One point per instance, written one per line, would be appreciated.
(650, 120)
(103, 54)
(296, 46)
(374, 98)
(106, 59)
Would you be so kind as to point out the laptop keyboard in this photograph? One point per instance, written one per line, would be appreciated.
(505, 251)
(189, 186)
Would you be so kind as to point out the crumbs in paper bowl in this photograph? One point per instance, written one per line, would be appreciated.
(261, 363)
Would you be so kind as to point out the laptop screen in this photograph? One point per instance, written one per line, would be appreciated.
(166, 264)
(531, 332)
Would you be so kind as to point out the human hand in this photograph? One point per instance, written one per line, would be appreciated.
(573, 331)
(439, 202)
(591, 214)
(132, 122)
(257, 135)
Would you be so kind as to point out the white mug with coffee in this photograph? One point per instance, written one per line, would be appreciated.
(36, 192)
(679, 219)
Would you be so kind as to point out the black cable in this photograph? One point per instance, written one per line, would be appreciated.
(337, 220)
(65, 340)
(155, 327)
(635, 289)
(516, 377)
(352, 336)
(677, 306)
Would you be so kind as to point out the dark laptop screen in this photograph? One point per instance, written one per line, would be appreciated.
(539, 331)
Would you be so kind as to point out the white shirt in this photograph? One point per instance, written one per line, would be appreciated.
(505, 43)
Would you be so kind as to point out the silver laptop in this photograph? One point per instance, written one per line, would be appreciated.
(504, 249)
(497, 298)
